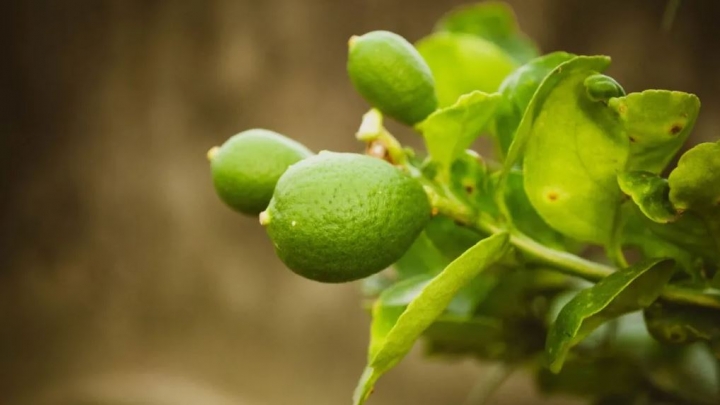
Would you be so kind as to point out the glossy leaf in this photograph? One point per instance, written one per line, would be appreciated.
(585, 65)
(619, 293)
(463, 63)
(526, 218)
(573, 154)
(449, 131)
(651, 194)
(678, 324)
(494, 21)
(657, 123)
(389, 344)
(517, 91)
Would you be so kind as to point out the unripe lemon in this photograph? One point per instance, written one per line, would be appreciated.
(247, 166)
(392, 76)
(338, 217)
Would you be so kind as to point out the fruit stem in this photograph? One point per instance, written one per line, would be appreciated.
(372, 131)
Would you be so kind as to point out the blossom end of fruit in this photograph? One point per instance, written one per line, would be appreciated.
(353, 39)
(212, 152)
(264, 218)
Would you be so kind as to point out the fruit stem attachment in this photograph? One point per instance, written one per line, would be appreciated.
(372, 132)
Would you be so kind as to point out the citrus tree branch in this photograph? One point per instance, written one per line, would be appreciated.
(565, 262)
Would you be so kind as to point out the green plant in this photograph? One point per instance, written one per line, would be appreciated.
(508, 270)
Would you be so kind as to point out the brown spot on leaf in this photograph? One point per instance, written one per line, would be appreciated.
(435, 211)
(469, 189)
(675, 129)
(552, 196)
(622, 109)
(632, 139)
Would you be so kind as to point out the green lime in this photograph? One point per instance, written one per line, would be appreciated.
(247, 166)
(338, 217)
(392, 76)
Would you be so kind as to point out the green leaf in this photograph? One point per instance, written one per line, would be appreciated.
(471, 182)
(657, 123)
(681, 325)
(584, 65)
(450, 238)
(390, 343)
(526, 218)
(695, 185)
(686, 240)
(463, 63)
(650, 192)
(494, 21)
(517, 91)
(695, 182)
(619, 293)
(450, 131)
(422, 258)
(574, 151)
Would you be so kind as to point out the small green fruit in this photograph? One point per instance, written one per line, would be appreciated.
(247, 166)
(392, 76)
(339, 217)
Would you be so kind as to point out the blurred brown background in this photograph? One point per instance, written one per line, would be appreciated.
(122, 276)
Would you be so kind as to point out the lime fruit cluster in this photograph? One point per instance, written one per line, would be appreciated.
(247, 166)
(339, 217)
(392, 76)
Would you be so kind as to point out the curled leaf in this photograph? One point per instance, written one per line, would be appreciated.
(619, 293)
(695, 182)
(656, 123)
(695, 185)
(650, 192)
(602, 88)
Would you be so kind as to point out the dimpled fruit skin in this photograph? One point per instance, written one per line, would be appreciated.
(392, 76)
(339, 217)
(248, 165)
